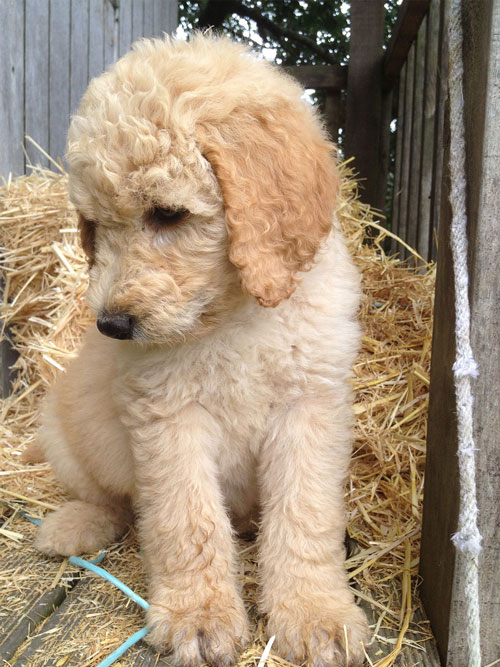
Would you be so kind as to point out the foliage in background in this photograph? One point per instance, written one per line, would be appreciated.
(299, 32)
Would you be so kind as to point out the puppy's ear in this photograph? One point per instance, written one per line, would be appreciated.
(279, 183)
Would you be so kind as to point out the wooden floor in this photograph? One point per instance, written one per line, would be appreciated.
(38, 618)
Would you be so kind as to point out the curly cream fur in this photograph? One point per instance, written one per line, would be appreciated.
(220, 409)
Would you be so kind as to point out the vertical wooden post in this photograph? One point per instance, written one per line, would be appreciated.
(407, 144)
(332, 112)
(396, 195)
(429, 146)
(363, 136)
(442, 566)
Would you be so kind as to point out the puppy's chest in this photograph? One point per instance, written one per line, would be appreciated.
(240, 388)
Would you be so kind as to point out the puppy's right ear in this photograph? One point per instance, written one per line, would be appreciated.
(279, 182)
(87, 238)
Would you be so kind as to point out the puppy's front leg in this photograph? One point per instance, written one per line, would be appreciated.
(304, 584)
(196, 611)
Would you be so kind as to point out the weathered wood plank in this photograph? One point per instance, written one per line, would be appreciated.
(74, 632)
(441, 97)
(425, 655)
(168, 16)
(437, 557)
(125, 33)
(137, 19)
(424, 232)
(406, 150)
(398, 165)
(27, 595)
(96, 37)
(364, 96)
(416, 140)
(36, 110)
(12, 87)
(332, 112)
(410, 16)
(332, 77)
(59, 76)
(111, 33)
(148, 30)
(79, 44)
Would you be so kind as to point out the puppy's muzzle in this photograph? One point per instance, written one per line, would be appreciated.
(116, 325)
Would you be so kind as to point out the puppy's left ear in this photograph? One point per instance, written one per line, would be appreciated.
(279, 182)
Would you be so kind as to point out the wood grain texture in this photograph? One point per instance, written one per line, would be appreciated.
(148, 29)
(424, 231)
(37, 78)
(12, 88)
(111, 33)
(398, 165)
(417, 124)
(125, 31)
(404, 34)
(331, 77)
(79, 51)
(364, 97)
(137, 19)
(439, 521)
(96, 37)
(59, 75)
(441, 97)
(406, 150)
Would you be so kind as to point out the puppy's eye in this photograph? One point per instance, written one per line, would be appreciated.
(87, 237)
(166, 217)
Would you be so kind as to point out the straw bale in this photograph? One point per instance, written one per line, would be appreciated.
(44, 312)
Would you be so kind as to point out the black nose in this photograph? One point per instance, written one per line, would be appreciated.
(116, 325)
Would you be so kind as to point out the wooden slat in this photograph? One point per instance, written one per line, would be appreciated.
(398, 165)
(364, 97)
(440, 513)
(148, 30)
(406, 150)
(168, 17)
(332, 77)
(332, 111)
(441, 97)
(416, 139)
(73, 631)
(12, 88)
(424, 232)
(59, 76)
(111, 33)
(79, 44)
(27, 596)
(410, 16)
(96, 38)
(125, 35)
(37, 78)
(425, 656)
(137, 19)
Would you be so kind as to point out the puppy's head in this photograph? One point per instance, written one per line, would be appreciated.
(200, 178)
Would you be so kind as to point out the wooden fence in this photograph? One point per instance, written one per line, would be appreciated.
(49, 51)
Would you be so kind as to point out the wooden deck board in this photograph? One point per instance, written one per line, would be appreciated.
(45, 625)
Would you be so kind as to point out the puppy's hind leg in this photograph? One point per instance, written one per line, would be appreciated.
(79, 527)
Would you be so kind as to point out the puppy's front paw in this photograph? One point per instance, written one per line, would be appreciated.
(194, 631)
(320, 636)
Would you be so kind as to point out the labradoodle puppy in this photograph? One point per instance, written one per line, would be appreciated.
(205, 190)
